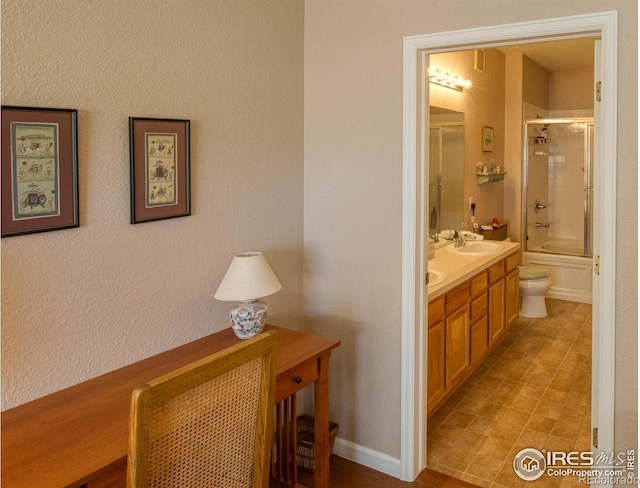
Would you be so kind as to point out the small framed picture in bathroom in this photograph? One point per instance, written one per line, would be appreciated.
(487, 138)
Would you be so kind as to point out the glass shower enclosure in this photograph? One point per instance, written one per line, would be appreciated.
(558, 185)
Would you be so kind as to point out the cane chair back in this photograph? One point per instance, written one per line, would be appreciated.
(208, 424)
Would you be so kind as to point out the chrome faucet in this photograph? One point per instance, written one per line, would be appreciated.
(539, 206)
(462, 239)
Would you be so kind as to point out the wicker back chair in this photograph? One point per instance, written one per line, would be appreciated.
(208, 424)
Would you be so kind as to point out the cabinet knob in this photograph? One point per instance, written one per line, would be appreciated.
(298, 379)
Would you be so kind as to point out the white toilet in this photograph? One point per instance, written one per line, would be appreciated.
(534, 283)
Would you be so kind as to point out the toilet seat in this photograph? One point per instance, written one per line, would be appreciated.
(529, 273)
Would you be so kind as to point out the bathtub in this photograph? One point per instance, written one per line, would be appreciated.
(574, 247)
(571, 272)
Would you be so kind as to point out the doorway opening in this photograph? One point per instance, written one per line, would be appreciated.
(532, 387)
(416, 193)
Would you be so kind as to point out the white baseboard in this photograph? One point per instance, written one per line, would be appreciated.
(367, 457)
(569, 295)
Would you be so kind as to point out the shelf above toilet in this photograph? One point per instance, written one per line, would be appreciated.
(487, 177)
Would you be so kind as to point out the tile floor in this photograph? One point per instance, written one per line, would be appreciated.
(533, 390)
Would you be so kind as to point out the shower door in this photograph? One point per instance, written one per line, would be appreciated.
(559, 185)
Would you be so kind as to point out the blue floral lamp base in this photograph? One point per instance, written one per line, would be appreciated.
(248, 318)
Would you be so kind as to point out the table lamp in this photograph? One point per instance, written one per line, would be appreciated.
(248, 278)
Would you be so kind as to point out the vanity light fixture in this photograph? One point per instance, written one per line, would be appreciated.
(448, 80)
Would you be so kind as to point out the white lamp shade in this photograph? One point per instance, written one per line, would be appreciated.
(249, 277)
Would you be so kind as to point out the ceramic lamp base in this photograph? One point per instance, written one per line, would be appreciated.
(248, 318)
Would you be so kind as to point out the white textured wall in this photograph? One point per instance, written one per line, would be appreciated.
(80, 302)
(353, 194)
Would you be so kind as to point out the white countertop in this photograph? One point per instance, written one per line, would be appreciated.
(458, 267)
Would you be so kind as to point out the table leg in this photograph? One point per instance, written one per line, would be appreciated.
(321, 424)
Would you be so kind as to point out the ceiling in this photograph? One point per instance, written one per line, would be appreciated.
(558, 55)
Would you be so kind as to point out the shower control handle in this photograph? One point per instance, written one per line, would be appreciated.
(538, 224)
(539, 206)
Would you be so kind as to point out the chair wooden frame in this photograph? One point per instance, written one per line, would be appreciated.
(247, 449)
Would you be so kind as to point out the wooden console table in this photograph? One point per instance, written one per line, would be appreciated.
(78, 437)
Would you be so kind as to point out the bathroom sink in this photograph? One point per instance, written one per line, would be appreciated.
(477, 248)
(435, 277)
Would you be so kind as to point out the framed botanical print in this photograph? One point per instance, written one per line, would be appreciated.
(39, 170)
(160, 169)
(487, 138)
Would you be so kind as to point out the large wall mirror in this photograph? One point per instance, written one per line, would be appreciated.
(446, 169)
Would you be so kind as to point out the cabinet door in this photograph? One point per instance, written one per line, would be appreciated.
(479, 340)
(496, 271)
(512, 296)
(496, 311)
(436, 311)
(435, 365)
(458, 347)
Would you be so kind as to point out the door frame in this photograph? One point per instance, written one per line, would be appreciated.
(413, 450)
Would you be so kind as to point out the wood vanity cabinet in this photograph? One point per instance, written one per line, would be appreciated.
(449, 343)
(465, 323)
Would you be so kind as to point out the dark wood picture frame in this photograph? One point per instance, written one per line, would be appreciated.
(160, 169)
(39, 170)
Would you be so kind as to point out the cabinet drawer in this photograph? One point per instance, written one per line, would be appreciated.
(478, 284)
(496, 271)
(479, 307)
(457, 297)
(512, 262)
(436, 311)
(295, 379)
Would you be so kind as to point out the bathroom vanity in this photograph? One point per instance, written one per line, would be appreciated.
(469, 312)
